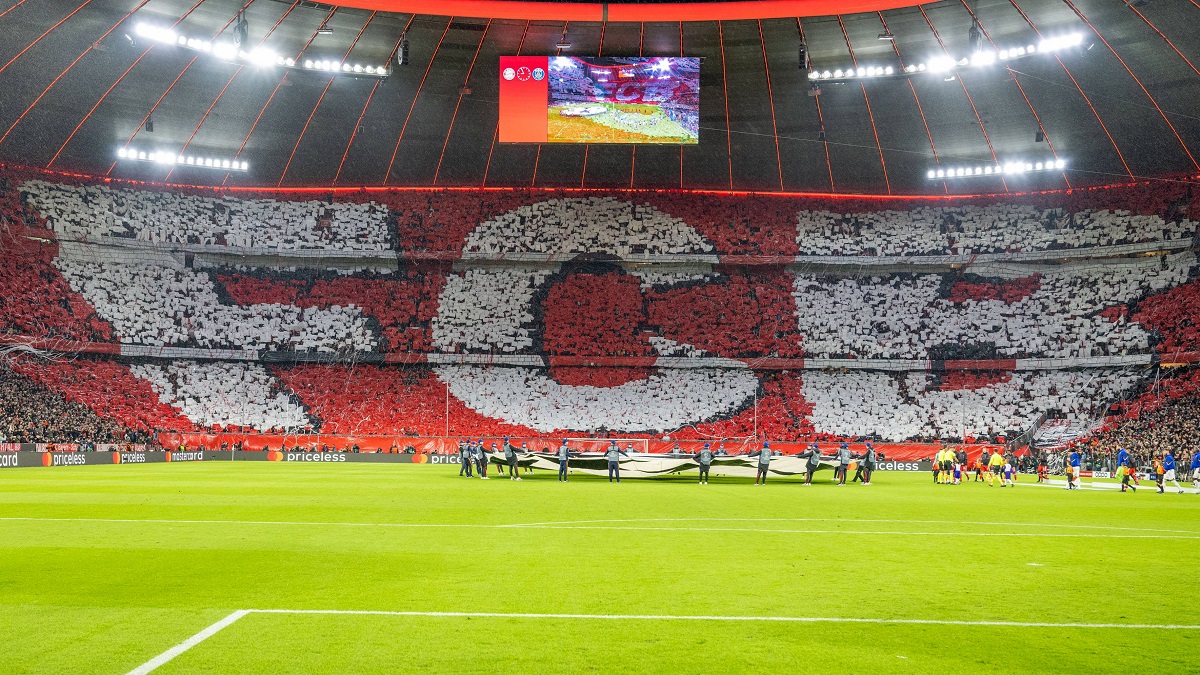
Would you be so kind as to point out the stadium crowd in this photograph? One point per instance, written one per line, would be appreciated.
(31, 414)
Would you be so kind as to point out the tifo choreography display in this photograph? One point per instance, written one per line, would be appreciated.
(698, 317)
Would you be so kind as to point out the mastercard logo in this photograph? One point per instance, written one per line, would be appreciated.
(420, 459)
(167, 455)
(274, 456)
(47, 459)
(116, 458)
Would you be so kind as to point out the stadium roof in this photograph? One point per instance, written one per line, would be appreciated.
(80, 81)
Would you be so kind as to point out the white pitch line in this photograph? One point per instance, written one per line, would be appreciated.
(846, 520)
(165, 657)
(679, 617)
(156, 662)
(950, 533)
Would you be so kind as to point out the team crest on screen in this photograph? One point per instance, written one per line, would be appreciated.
(523, 74)
(509, 73)
(538, 74)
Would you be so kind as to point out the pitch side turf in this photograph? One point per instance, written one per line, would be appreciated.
(103, 569)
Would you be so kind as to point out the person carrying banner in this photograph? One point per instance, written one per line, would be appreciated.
(464, 458)
(704, 458)
(843, 458)
(869, 461)
(812, 458)
(481, 458)
(764, 463)
(564, 457)
(510, 455)
(613, 454)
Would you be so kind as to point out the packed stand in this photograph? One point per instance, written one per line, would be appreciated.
(913, 406)
(225, 395)
(31, 414)
(1173, 426)
(906, 316)
(108, 389)
(1000, 228)
(403, 303)
(91, 211)
(154, 300)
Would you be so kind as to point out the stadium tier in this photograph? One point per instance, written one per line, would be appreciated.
(548, 313)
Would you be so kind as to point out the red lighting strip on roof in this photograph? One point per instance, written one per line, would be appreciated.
(916, 99)
(254, 125)
(870, 115)
(113, 86)
(383, 189)
(1160, 34)
(371, 95)
(320, 98)
(19, 3)
(820, 120)
(466, 82)
(537, 157)
(771, 97)
(495, 134)
(681, 147)
(150, 112)
(986, 139)
(599, 53)
(227, 83)
(1020, 88)
(68, 69)
(624, 12)
(633, 153)
(416, 96)
(725, 88)
(39, 38)
(1095, 113)
(1139, 83)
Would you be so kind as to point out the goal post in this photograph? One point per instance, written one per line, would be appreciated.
(640, 445)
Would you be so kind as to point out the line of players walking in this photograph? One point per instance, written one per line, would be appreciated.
(951, 466)
(473, 458)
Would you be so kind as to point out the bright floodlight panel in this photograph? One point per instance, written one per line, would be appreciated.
(572, 99)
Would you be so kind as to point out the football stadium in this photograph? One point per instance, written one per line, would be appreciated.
(374, 336)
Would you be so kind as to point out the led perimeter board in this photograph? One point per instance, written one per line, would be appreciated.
(571, 99)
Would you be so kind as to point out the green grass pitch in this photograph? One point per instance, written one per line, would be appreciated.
(103, 568)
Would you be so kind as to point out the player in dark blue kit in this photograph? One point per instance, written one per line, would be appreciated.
(613, 455)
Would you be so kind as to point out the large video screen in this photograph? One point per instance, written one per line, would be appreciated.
(572, 99)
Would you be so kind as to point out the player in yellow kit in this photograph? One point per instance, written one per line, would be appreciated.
(996, 466)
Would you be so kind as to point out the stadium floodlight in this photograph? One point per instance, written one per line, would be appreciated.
(174, 158)
(260, 57)
(1009, 168)
(981, 57)
(1060, 42)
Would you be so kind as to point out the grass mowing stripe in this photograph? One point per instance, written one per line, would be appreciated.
(678, 617)
(594, 524)
(154, 663)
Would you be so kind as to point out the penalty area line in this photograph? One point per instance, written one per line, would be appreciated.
(165, 657)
